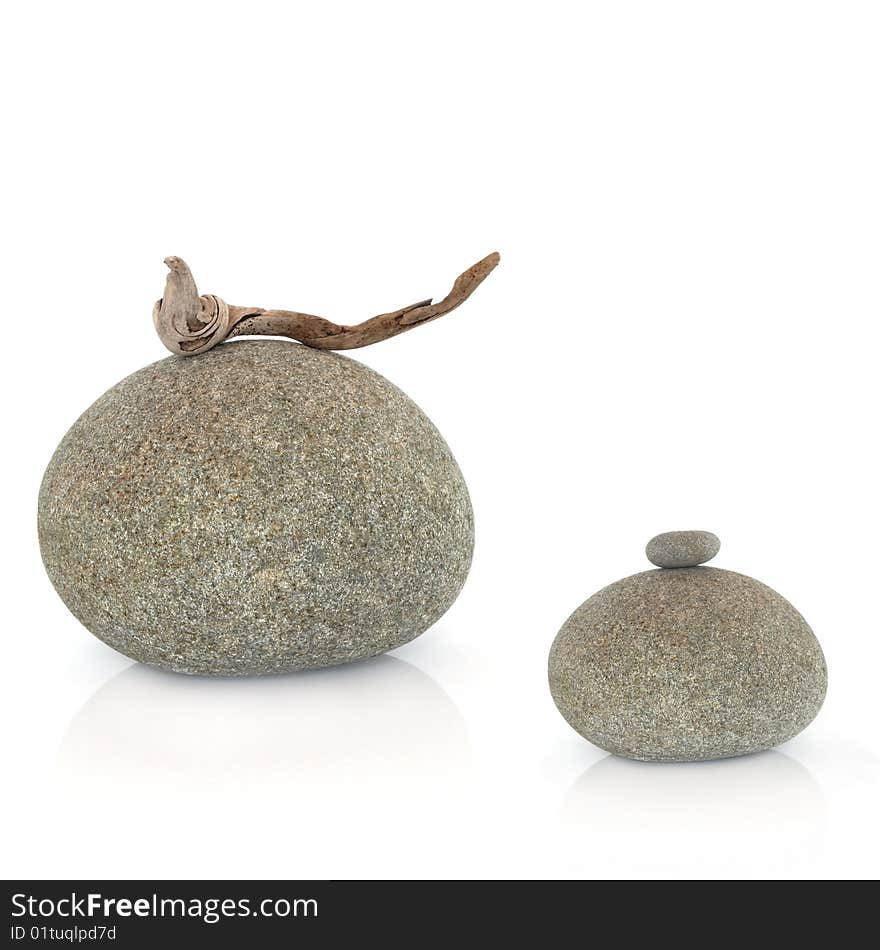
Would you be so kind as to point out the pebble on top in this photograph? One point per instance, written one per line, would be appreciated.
(682, 548)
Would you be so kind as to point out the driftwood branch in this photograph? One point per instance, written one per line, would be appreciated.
(189, 324)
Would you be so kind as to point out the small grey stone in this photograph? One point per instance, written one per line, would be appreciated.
(687, 664)
(682, 548)
(261, 508)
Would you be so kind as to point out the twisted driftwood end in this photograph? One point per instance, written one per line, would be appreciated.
(189, 324)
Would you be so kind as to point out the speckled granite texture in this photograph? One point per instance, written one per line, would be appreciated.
(682, 548)
(261, 508)
(687, 664)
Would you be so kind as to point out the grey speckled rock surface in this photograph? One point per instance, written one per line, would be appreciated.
(682, 548)
(687, 664)
(261, 508)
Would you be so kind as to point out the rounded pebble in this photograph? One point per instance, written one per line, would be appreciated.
(682, 548)
(260, 508)
(687, 665)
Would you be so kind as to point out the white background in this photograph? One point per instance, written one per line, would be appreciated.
(683, 333)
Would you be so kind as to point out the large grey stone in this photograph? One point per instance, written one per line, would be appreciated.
(687, 664)
(260, 508)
